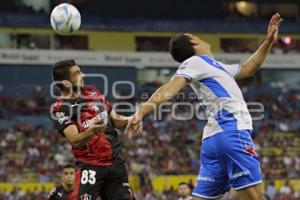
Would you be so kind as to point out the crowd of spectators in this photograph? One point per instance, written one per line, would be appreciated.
(18, 194)
(165, 147)
(284, 45)
(17, 104)
(32, 154)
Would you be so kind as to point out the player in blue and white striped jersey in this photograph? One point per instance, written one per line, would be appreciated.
(228, 158)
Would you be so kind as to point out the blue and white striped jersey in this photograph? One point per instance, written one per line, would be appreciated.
(214, 82)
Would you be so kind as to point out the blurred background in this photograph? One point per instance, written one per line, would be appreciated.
(128, 41)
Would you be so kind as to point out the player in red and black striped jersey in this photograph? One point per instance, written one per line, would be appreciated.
(63, 191)
(87, 120)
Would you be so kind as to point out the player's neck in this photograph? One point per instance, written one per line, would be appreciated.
(205, 53)
(68, 187)
(210, 55)
(73, 95)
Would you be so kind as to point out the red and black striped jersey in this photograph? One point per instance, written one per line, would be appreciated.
(59, 193)
(102, 148)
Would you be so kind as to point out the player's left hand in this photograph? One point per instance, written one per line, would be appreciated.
(135, 124)
(274, 24)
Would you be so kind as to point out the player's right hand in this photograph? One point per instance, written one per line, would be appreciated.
(274, 24)
(98, 125)
(134, 125)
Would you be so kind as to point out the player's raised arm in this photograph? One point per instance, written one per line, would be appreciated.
(249, 68)
(161, 95)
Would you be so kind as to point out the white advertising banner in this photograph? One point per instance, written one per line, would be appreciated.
(135, 59)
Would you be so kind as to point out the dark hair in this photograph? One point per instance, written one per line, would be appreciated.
(69, 166)
(183, 183)
(61, 71)
(181, 48)
(187, 184)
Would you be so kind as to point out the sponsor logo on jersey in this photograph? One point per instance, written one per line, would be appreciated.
(91, 93)
(51, 193)
(61, 117)
(250, 150)
(205, 178)
(127, 185)
(102, 115)
(86, 197)
(183, 66)
(239, 174)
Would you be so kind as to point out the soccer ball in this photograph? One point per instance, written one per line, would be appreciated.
(65, 19)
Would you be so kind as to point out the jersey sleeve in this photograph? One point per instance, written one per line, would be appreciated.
(233, 70)
(52, 195)
(191, 69)
(61, 119)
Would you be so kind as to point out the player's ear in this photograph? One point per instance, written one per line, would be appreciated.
(67, 84)
(194, 42)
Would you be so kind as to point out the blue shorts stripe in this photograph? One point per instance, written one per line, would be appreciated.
(207, 197)
(248, 185)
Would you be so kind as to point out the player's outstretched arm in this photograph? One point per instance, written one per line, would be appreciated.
(161, 95)
(249, 68)
(119, 121)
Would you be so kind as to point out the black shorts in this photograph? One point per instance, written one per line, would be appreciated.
(110, 183)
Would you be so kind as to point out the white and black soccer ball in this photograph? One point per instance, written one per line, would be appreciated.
(65, 19)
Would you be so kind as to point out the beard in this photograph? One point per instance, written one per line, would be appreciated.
(77, 88)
